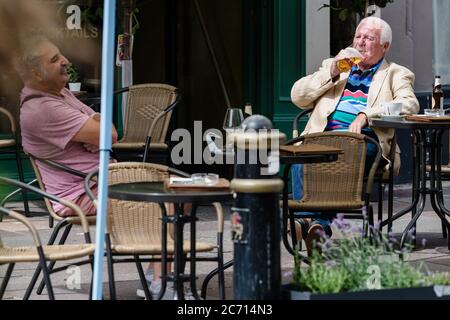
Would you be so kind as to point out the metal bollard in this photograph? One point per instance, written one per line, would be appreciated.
(256, 216)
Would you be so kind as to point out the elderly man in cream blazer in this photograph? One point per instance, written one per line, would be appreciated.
(348, 99)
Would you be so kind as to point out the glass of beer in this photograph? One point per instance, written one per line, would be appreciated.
(354, 56)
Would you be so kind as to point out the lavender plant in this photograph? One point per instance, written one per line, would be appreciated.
(357, 263)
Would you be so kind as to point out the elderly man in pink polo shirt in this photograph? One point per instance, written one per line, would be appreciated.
(54, 124)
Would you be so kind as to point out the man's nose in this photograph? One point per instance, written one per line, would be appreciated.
(64, 61)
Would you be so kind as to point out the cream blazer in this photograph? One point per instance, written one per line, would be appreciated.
(390, 83)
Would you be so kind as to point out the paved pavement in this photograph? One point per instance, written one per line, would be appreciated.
(434, 253)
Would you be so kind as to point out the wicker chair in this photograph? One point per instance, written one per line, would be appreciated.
(41, 253)
(63, 223)
(335, 187)
(135, 228)
(382, 177)
(147, 118)
(10, 145)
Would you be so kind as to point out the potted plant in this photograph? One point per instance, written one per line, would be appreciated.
(74, 77)
(361, 268)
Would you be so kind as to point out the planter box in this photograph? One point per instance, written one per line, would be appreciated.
(425, 293)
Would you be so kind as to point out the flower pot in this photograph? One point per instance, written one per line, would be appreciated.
(290, 292)
(75, 86)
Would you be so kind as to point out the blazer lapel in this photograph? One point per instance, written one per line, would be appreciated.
(377, 83)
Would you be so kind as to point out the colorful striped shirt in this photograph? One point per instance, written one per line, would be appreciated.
(353, 100)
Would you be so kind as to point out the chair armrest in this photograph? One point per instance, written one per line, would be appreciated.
(160, 116)
(219, 213)
(60, 166)
(121, 90)
(87, 188)
(10, 118)
(373, 168)
(17, 216)
(12, 194)
(293, 141)
(393, 149)
(300, 115)
(74, 207)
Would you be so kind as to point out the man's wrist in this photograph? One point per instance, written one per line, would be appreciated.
(366, 118)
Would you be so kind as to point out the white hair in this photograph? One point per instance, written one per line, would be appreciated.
(385, 28)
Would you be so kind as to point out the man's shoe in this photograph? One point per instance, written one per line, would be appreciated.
(313, 238)
(156, 288)
(148, 278)
(301, 228)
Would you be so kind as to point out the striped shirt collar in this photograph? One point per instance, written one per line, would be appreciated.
(356, 71)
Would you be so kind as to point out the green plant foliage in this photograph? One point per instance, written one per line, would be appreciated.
(349, 7)
(439, 279)
(357, 263)
(73, 74)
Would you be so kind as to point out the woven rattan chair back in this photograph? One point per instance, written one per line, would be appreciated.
(134, 222)
(338, 184)
(144, 103)
(41, 184)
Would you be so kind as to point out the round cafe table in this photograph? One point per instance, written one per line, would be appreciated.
(426, 135)
(157, 192)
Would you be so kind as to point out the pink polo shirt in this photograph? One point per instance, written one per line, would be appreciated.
(48, 124)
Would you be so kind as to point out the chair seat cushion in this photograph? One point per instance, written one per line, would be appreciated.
(52, 253)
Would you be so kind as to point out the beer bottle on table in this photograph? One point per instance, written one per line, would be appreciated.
(437, 102)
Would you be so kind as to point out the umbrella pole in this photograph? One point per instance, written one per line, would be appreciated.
(109, 20)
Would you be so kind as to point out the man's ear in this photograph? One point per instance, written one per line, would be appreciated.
(37, 74)
(386, 46)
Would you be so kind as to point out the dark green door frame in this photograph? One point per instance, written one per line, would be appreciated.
(274, 55)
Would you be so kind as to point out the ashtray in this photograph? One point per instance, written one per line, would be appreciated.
(205, 178)
(433, 112)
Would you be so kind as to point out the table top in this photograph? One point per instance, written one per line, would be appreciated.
(308, 153)
(158, 192)
(409, 124)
